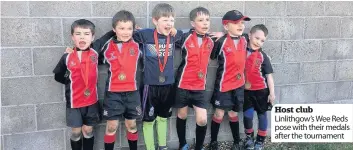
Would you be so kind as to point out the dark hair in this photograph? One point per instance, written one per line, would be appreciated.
(193, 14)
(259, 27)
(124, 16)
(83, 23)
(162, 10)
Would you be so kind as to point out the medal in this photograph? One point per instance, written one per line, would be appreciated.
(122, 76)
(161, 79)
(247, 85)
(87, 93)
(200, 74)
(165, 58)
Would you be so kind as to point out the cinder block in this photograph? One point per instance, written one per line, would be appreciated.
(317, 28)
(60, 9)
(334, 91)
(305, 8)
(261, 8)
(350, 101)
(51, 116)
(273, 49)
(344, 70)
(16, 62)
(181, 8)
(317, 71)
(285, 28)
(46, 59)
(31, 32)
(214, 7)
(14, 8)
(254, 21)
(180, 23)
(109, 9)
(347, 27)
(216, 25)
(338, 9)
(337, 49)
(286, 73)
(298, 51)
(45, 140)
(18, 119)
(297, 94)
(30, 90)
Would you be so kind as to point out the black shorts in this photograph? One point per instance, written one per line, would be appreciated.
(190, 98)
(89, 116)
(257, 99)
(118, 104)
(230, 100)
(157, 100)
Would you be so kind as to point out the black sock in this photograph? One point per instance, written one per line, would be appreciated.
(260, 138)
(200, 136)
(181, 129)
(88, 143)
(76, 145)
(234, 126)
(109, 146)
(214, 130)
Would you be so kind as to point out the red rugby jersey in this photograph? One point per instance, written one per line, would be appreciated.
(231, 60)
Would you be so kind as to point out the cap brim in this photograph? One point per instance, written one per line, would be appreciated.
(245, 18)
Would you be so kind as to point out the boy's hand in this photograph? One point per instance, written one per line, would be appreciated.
(173, 32)
(69, 50)
(216, 34)
(137, 27)
(271, 98)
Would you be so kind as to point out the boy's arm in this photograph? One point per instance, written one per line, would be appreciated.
(137, 36)
(60, 70)
(99, 43)
(268, 70)
(216, 49)
(180, 38)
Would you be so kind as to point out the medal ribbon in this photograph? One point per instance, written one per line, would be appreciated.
(161, 66)
(84, 56)
(199, 48)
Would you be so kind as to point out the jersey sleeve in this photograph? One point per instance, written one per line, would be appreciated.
(60, 70)
(266, 65)
(138, 36)
(216, 49)
(98, 44)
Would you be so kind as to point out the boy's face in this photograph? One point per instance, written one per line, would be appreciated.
(257, 39)
(235, 29)
(124, 30)
(201, 23)
(82, 37)
(164, 24)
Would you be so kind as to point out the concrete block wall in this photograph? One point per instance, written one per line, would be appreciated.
(310, 44)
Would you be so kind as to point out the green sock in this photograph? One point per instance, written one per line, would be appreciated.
(162, 131)
(148, 135)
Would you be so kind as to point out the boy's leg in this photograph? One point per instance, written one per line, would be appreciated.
(181, 103)
(133, 112)
(201, 126)
(261, 97)
(113, 108)
(216, 121)
(132, 135)
(238, 100)
(234, 126)
(75, 139)
(90, 119)
(74, 120)
(149, 115)
(110, 131)
(248, 112)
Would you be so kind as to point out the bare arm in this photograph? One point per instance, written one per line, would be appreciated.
(271, 87)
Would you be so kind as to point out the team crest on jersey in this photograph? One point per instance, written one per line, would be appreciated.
(209, 46)
(112, 56)
(132, 52)
(191, 45)
(228, 49)
(258, 61)
(72, 63)
(93, 58)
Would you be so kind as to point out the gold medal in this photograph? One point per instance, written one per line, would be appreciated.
(200, 74)
(122, 76)
(247, 85)
(161, 79)
(87, 93)
(238, 76)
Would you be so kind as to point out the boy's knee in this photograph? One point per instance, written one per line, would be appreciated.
(131, 127)
(112, 128)
(182, 114)
(75, 136)
(87, 131)
(232, 114)
(218, 114)
(201, 121)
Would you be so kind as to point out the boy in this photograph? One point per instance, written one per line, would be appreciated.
(259, 87)
(229, 90)
(158, 73)
(122, 97)
(78, 71)
(196, 46)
